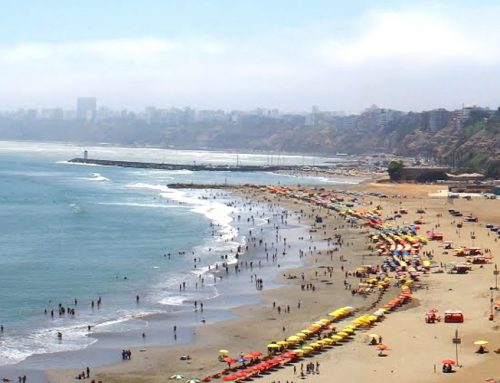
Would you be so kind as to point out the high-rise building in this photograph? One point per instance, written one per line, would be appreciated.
(438, 119)
(86, 108)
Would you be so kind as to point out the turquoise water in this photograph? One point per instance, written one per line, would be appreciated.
(71, 231)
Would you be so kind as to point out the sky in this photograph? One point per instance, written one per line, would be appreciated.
(244, 54)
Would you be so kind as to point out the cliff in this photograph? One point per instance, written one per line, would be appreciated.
(472, 143)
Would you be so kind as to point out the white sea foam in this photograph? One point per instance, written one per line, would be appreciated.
(76, 163)
(123, 324)
(137, 204)
(96, 177)
(174, 300)
(216, 211)
(14, 349)
(180, 298)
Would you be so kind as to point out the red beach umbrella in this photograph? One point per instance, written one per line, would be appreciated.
(448, 361)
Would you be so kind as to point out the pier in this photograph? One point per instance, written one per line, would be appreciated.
(194, 167)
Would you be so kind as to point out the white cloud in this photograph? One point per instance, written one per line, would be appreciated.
(125, 50)
(413, 35)
(408, 59)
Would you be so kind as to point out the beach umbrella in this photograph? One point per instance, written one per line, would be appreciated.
(382, 347)
(481, 342)
(337, 338)
(448, 361)
(230, 378)
(194, 380)
(373, 336)
(256, 353)
(223, 351)
(282, 343)
(177, 377)
(230, 360)
(293, 338)
(301, 335)
(273, 345)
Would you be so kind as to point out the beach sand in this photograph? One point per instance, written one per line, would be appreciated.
(416, 348)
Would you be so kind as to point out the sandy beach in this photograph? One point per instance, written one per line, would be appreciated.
(416, 348)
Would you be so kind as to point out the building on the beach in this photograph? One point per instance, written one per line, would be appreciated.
(423, 174)
(471, 188)
(466, 177)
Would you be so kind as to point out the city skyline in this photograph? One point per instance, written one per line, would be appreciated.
(278, 54)
(87, 108)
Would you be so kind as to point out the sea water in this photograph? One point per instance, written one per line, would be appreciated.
(70, 232)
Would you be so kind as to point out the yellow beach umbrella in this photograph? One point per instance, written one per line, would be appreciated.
(327, 340)
(301, 335)
(315, 345)
(306, 331)
(273, 345)
(337, 338)
(324, 320)
(282, 343)
(293, 338)
(481, 342)
(307, 348)
(223, 351)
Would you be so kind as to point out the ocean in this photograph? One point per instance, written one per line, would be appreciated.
(82, 232)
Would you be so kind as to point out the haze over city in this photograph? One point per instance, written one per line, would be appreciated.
(236, 55)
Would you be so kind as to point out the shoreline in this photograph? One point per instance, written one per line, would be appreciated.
(243, 315)
(149, 364)
(38, 360)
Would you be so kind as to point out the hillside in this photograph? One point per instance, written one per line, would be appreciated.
(472, 144)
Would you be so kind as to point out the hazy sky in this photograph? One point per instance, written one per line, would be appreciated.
(242, 54)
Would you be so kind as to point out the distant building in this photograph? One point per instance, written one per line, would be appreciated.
(86, 108)
(424, 173)
(438, 119)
